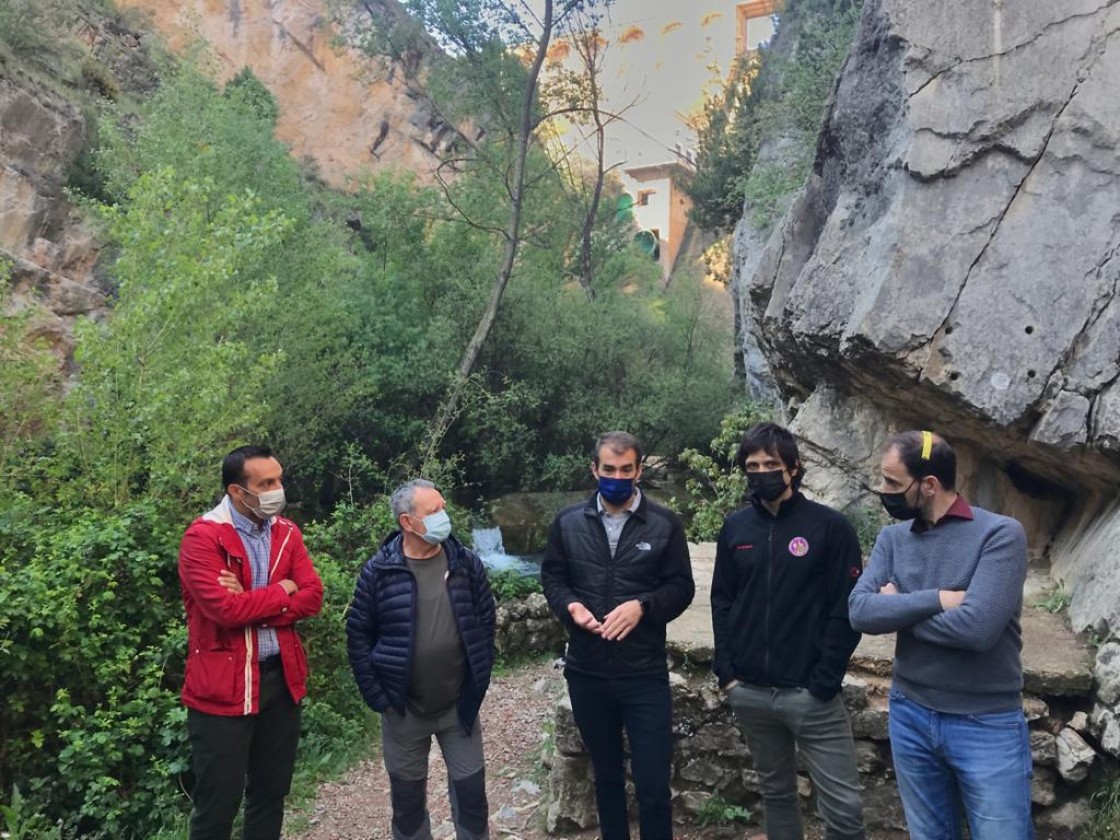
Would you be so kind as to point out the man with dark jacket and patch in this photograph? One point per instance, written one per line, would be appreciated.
(784, 569)
(420, 637)
(616, 571)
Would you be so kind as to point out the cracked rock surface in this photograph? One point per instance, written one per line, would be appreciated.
(961, 221)
(953, 263)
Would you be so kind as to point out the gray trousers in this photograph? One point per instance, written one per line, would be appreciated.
(406, 741)
(774, 721)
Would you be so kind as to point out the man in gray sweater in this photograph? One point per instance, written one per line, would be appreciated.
(949, 581)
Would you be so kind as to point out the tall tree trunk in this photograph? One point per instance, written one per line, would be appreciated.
(449, 407)
(590, 59)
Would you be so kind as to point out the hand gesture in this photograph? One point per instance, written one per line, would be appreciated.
(621, 620)
(582, 616)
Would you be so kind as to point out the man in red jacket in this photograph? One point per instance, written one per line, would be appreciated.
(246, 581)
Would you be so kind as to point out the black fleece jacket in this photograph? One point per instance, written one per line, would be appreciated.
(651, 561)
(780, 597)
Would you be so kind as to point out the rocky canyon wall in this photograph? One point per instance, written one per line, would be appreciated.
(337, 107)
(953, 263)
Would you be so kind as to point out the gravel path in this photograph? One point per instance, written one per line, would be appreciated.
(513, 719)
(357, 806)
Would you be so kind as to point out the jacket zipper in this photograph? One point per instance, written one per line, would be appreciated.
(247, 700)
(249, 656)
(611, 572)
(766, 616)
(412, 632)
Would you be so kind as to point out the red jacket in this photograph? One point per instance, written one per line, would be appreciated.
(222, 673)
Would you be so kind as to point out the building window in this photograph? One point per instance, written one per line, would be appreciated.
(644, 197)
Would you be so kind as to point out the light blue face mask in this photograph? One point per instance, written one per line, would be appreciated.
(437, 527)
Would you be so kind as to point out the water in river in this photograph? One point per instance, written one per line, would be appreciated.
(488, 544)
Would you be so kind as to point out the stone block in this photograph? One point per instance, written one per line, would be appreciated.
(1105, 724)
(1068, 819)
(868, 757)
(1075, 757)
(708, 772)
(882, 808)
(1034, 708)
(1042, 786)
(1044, 748)
(854, 692)
(870, 723)
(566, 734)
(1107, 673)
(571, 796)
(722, 739)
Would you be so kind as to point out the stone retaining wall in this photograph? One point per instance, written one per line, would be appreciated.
(1071, 732)
(711, 758)
(527, 627)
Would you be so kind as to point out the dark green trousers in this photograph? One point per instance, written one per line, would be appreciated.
(252, 755)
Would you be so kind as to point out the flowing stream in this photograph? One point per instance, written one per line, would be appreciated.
(488, 545)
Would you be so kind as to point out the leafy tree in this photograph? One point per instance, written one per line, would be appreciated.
(717, 486)
(491, 81)
(777, 96)
(30, 385)
(172, 378)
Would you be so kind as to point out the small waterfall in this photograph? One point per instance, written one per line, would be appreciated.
(488, 546)
(488, 542)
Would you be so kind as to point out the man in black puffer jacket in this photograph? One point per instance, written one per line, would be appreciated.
(616, 572)
(420, 637)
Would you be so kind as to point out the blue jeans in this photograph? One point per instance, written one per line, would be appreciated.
(602, 707)
(949, 766)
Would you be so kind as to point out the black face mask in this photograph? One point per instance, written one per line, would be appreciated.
(896, 505)
(767, 486)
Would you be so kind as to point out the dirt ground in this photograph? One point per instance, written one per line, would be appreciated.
(513, 719)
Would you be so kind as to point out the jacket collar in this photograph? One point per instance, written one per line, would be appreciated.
(785, 509)
(592, 507)
(391, 552)
(223, 513)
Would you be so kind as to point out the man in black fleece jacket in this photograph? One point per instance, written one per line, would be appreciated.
(784, 569)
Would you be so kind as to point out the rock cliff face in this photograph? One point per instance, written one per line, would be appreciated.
(51, 253)
(43, 130)
(953, 263)
(335, 107)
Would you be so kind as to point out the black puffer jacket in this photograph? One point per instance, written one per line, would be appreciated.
(651, 560)
(780, 597)
(379, 626)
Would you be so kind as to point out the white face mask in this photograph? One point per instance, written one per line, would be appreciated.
(269, 503)
(437, 527)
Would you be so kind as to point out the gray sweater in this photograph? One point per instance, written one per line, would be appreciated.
(958, 661)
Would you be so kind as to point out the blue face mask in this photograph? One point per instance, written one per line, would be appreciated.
(437, 527)
(616, 490)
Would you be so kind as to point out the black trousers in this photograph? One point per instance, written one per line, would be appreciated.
(603, 707)
(252, 755)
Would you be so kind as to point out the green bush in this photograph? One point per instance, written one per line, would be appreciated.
(780, 95)
(1105, 803)
(718, 811)
(868, 521)
(717, 486)
(91, 600)
(510, 584)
